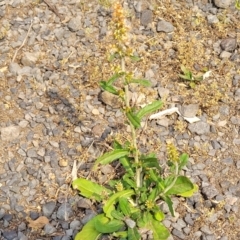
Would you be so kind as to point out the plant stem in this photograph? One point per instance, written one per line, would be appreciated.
(174, 180)
(134, 138)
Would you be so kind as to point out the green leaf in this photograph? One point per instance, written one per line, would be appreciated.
(143, 82)
(150, 162)
(117, 215)
(125, 161)
(112, 79)
(109, 205)
(111, 57)
(104, 225)
(184, 69)
(153, 195)
(134, 119)
(189, 193)
(108, 88)
(159, 215)
(128, 182)
(133, 234)
(135, 58)
(117, 145)
(111, 156)
(160, 232)
(237, 4)
(182, 184)
(124, 206)
(121, 235)
(88, 232)
(192, 84)
(183, 161)
(185, 77)
(169, 202)
(90, 189)
(150, 108)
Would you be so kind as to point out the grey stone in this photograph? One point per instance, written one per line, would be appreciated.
(64, 212)
(48, 208)
(209, 192)
(75, 224)
(32, 153)
(30, 59)
(223, 3)
(224, 110)
(205, 229)
(237, 92)
(107, 169)
(88, 217)
(2, 213)
(228, 161)
(225, 54)
(146, 17)
(235, 120)
(110, 99)
(236, 141)
(179, 224)
(49, 229)
(236, 80)
(188, 219)
(163, 122)
(75, 24)
(9, 235)
(164, 26)
(229, 44)
(178, 234)
(84, 203)
(189, 110)
(23, 123)
(163, 92)
(34, 215)
(208, 237)
(212, 19)
(14, 68)
(39, 105)
(238, 164)
(215, 144)
(69, 232)
(10, 133)
(199, 128)
(41, 152)
(22, 226)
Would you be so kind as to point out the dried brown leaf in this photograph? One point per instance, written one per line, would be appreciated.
(38, 223)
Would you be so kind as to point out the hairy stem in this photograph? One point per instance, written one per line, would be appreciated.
(133, 131)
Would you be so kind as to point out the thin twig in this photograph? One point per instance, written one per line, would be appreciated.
(25, 39)
(53, 9)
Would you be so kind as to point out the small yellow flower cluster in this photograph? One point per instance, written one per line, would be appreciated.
(119, 187)
(172, 152)
(120, 33)
(149, 204)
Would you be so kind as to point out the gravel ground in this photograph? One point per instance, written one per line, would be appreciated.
(52, 112)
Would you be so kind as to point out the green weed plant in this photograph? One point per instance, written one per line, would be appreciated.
(132, 203)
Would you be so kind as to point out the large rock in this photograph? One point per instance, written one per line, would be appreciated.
(110, 99)
(164, 26)
(189, 110)
(146, 17)
(10, 133)
(75, 24)
(228, 44)
(199, 128)
(30, 59)
(223, 3)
